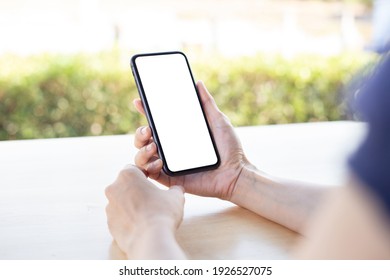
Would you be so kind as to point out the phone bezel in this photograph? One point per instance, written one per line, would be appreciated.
(149, 117)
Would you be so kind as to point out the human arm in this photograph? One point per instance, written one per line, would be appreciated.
(142, 218)
(351, 224)
(345, 222)
(236, 180)
(353, 221)
(286, 202)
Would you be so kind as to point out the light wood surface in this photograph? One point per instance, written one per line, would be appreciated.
(52, 193)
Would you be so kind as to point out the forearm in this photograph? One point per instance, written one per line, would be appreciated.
(155, 242)
(351, 225)
(288, 203)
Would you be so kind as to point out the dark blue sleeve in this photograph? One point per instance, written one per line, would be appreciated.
(371, 162)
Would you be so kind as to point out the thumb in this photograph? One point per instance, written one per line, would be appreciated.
(214, 116)
(211, 109)
(178, 190)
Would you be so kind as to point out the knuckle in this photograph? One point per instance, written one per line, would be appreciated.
(141, 157)
(137, 158)
(138, 130)
(128, 171)
(123, 173)
(108, 210)
(108, 191)
(139, 139)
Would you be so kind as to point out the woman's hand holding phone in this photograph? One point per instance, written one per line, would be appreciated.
(220, 182)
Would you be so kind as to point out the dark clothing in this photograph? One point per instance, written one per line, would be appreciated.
(371, 162)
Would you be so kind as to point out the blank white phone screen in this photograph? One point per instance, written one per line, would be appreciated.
(176, 111)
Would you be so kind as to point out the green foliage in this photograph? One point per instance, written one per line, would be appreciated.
(272, 89)
(367, 3)
(60, 96)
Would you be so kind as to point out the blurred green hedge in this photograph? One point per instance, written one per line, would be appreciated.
(59, 96)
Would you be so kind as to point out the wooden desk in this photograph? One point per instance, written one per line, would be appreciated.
(52, 203)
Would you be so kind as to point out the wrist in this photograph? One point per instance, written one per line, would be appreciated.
(151, 241)
(248, 178)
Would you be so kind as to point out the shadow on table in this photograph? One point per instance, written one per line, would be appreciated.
(235, 233)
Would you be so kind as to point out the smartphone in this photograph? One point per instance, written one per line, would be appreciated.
(175, 113)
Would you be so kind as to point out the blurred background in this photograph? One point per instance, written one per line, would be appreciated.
(65, 64)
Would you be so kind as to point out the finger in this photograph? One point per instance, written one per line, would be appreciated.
(178, 193)
(132, 166)
(132, 170)
(154, 167)
(155, 172)
(145, 154)
(109, 209)
(139, 106)
(142, 136)
(178, 189)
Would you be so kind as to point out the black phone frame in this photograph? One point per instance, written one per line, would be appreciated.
(149, 117)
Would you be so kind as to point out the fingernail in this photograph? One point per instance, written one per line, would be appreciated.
(143, 130)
